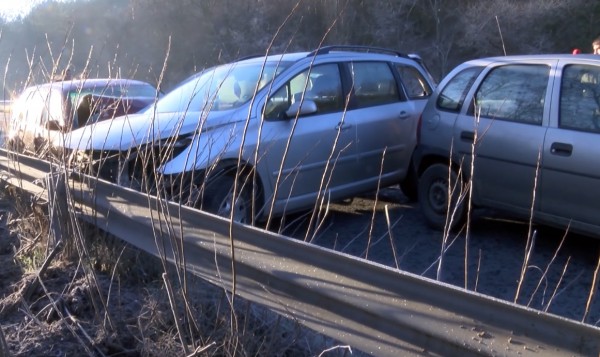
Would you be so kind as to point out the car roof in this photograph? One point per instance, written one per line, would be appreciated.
(338, 51)
(517, 58)
(286, 57)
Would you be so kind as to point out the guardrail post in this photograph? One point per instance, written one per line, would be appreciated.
(58, 209)
(59, 224)
(4, 350)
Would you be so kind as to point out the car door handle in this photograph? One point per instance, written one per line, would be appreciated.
(404, 115)
(342, 126)
(561, 149)
(467, 136)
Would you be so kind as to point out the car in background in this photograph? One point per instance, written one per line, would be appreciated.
(267, 136)
(42, 114)
(517, 133)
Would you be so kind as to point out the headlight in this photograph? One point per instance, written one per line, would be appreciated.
(168, 147)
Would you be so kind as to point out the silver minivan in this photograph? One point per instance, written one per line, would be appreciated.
(515, 133)
(267, 136)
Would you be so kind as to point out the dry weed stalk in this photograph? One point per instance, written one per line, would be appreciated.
(531, 234)
(592, 291)
(374, 210)
(545, 273)
(555, 293)
(455, 189)
(389, 230)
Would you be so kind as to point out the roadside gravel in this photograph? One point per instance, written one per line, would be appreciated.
(558, 277)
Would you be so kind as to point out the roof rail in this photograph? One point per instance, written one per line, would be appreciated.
(350, 48)
(248, 57)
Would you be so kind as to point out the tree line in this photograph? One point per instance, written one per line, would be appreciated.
(165, 42)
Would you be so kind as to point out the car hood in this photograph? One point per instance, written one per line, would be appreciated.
(123, 133)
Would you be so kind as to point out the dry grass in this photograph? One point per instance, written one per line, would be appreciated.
(92, 294)
(114, 300)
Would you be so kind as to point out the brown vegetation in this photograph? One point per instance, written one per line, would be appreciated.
(97, 296)
(118, 38)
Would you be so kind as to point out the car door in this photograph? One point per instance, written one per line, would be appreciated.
(385, 120)
(308, 151)
(500, 137)
(571, 173)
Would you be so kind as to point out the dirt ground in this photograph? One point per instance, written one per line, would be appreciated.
(96, 307)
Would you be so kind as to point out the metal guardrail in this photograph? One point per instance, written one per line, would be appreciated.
(5, 106)
(376, 309)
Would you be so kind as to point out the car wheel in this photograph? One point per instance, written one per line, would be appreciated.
(219, 199)
(434, 187)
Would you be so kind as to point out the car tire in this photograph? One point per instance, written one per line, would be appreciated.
(218, 198)
(434, 185)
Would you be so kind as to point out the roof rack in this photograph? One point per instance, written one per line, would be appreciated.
(248, 57)
(328, 49)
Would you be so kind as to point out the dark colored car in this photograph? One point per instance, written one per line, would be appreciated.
(519, 134)
(44, 113)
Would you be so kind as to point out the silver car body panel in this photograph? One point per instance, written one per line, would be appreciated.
(341, 153)
(516, 164)
(128, 131)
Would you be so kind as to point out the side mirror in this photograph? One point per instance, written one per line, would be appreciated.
(307, 107)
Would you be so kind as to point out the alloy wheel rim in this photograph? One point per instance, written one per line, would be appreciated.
(438, 196)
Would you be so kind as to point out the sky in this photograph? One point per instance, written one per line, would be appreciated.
(11, 9)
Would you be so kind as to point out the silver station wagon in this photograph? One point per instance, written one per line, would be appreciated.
(516, 133)
(267, 136)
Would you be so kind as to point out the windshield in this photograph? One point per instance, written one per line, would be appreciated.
(221, 88)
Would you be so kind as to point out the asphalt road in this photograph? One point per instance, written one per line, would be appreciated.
(558, 274)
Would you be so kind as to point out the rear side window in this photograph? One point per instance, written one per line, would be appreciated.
(374, 84)
(453, 95)
(580, 98)
(415, 84)
(514, 93)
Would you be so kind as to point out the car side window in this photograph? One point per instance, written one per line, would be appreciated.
(374, 84)
(580, 98)
(453, 95)
(321, 84)
(415, 84)
(514, 93)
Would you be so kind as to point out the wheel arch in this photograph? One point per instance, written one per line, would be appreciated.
(230, 167)
(429, 160)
